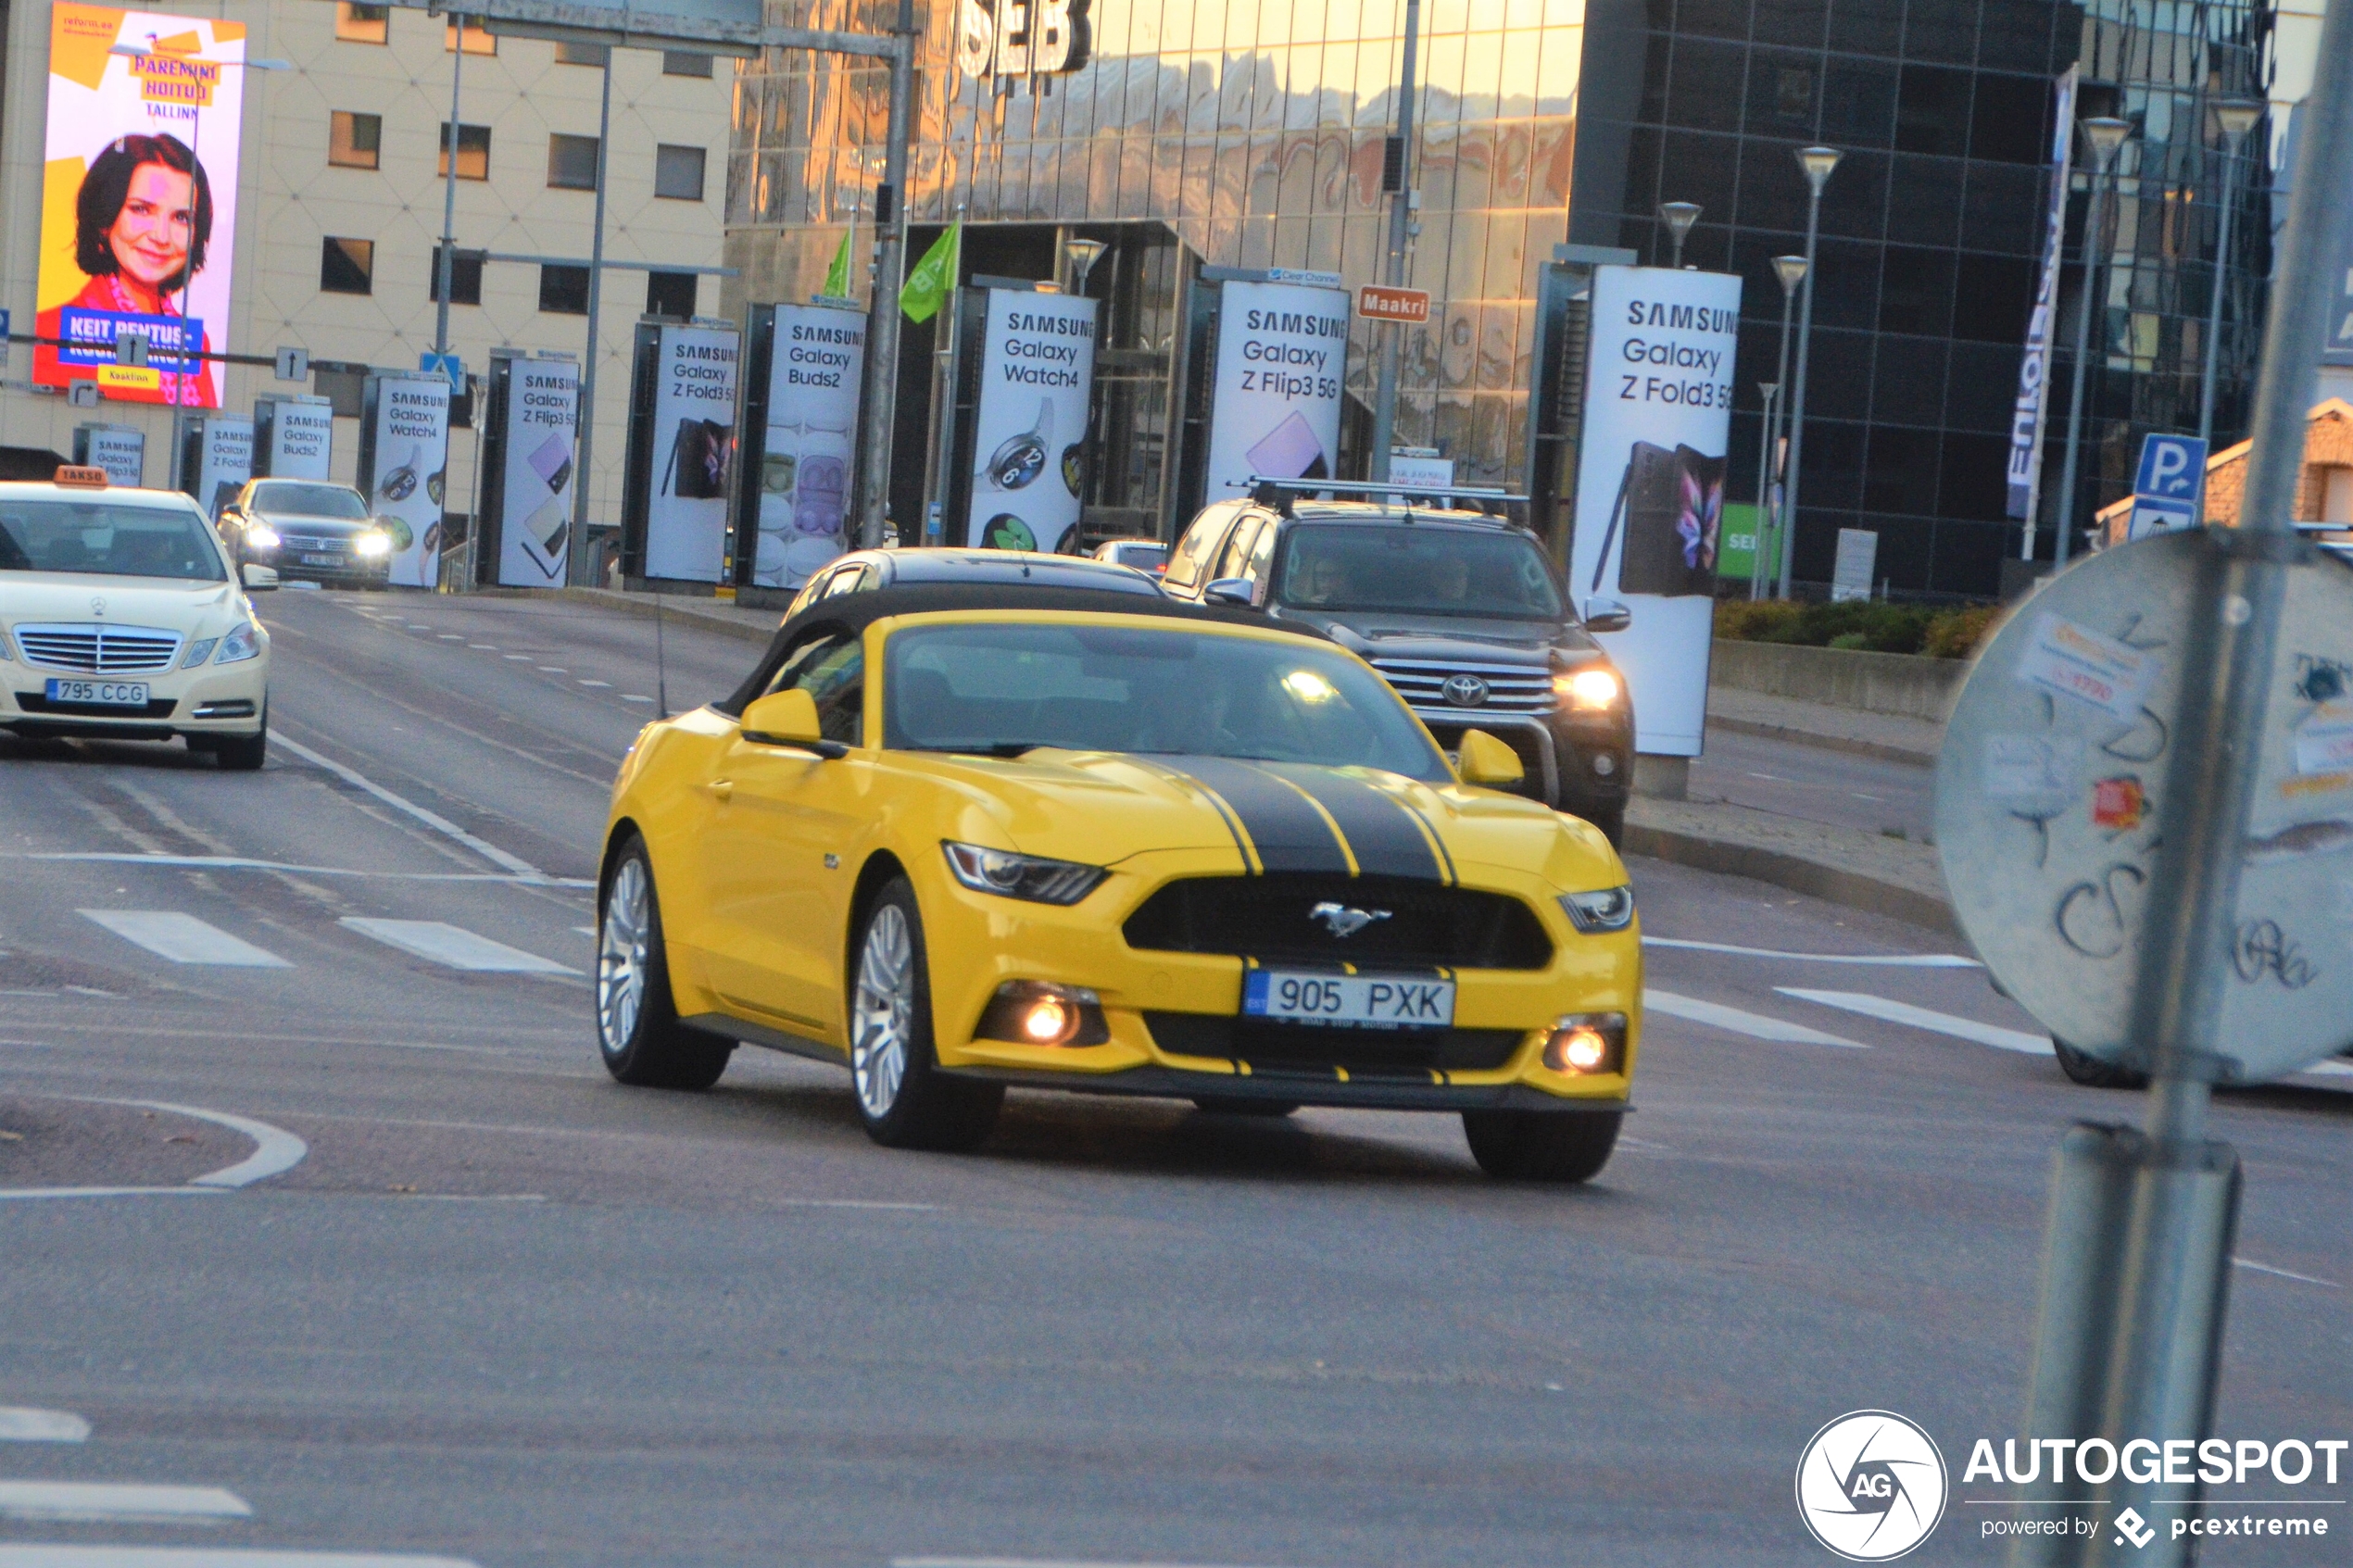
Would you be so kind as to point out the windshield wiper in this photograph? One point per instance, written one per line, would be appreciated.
(991, 748)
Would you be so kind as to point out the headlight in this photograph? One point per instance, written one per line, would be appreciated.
(375, 542)
(1611, 908)
(1589, 690)
(1021, 876)
(5, 657)
(198, 653)
(240, 644)
(261, 536)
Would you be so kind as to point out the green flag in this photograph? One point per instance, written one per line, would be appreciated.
(838, 275)
(928, 284)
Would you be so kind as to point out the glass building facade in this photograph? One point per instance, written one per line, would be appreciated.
(1252, 135)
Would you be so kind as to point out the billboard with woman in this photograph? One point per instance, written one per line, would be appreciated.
(139, 201)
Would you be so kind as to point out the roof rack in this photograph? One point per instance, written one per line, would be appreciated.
(1283, 494)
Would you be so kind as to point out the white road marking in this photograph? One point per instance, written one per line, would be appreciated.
(1754, 1024)
(605, 683)
(21, 1423)
(110, 1502)
(553, 669)
(9, 1194)
(451, 637)
(1004, 1562)
(183, 938)
(240, 863)
(1906, 961)
(524, 657)
(275, 1152)
(2332, 1068)
(454, 946)
(432, 820)
(1921, 1018)
(1771, 778)
(634, 696)
(585, 930)
(194, 1557)
(2284, 1273)
(483, 647)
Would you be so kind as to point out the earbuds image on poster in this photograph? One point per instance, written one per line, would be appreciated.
(1650, 484)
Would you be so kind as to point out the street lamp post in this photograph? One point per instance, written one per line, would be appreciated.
(1770, 392)
(1817, 163)
(2237, 117)
(1790, 271)
(2105, 135)
(1399, 218)
(576, 560)
(1679, 217)
(446, 264)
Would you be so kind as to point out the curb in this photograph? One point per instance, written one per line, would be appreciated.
(1881, 750)
(1834, 885)
(677, 607)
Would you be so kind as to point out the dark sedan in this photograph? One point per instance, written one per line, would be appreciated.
(308, 528)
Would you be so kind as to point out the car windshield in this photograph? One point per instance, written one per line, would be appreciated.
(1419, 571)
(107, 539)
(1006, 688)
(309, 500)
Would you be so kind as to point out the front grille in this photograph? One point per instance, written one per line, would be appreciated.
(313, 541)
(34, 702)
(1511, 688)
(1267, 918)
(1272, 1049)
(98, 650)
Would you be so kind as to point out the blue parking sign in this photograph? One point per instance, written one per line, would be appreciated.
(2172, 469)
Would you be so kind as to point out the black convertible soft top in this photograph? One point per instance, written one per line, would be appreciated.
(854, 612)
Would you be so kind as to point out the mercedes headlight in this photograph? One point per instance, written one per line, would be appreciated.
(240, 644)
(261, 536)
(198, 652)
(374, 543)
(1021, 876)
(1610, 908)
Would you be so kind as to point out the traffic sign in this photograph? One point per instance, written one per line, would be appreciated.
(294, 364)
(445, 364)
(2153, 514)
(1376, 302)
(2172, 469)
(2050, 803)
(4, 340)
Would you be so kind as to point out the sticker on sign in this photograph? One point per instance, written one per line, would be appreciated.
(1377, 302)
(2079, 662)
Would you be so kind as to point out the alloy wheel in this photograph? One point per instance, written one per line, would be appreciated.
(883, 1011)
(622, 953)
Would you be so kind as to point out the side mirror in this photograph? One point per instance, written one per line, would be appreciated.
(789, 718)
(1229, 591)
(1483, 759)
(260, 579)
(1607, 615)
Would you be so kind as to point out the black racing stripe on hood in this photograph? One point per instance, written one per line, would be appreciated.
(1285, 828)
(1381, 831)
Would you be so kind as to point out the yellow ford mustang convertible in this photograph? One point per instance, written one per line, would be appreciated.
(961, 838)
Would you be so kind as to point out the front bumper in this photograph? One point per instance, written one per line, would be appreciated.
(1282, 1088)
(229, 700)
(344, 567)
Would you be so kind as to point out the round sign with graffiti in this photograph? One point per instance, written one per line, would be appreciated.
(2049, 794)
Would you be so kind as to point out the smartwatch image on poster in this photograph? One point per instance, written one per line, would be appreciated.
(1290, 451)
(1666, 520)
(1016, 464)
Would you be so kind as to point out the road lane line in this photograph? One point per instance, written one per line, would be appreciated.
(2284, 1273)
(21, 1423)
(210, 1557)
(1904, 960)
(1921, 1018)
(606, 683)
(1754, 1024)
(275, 1152)
(119, 1502)
(454, 946)
(183, 938)
(242, 864)
(432, 820)
(634, 696)
(10, 1194)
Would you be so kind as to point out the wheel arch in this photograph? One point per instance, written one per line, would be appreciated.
(881, 867)
(622, 830)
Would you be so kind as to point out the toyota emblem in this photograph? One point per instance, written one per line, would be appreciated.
(1464, 691)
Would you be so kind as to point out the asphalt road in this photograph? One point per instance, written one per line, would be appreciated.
(1837, 787)
(451, 1292)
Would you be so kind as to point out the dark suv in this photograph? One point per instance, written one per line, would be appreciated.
(1462, 611)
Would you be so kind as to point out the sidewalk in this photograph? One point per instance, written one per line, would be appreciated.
(1882, 735)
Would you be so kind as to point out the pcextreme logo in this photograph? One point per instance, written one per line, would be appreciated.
(1871, 1486)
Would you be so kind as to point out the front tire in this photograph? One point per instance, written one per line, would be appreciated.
(2094, 1073)
(241, 754)
(903, 1098)
(1537, 1145)
(637, 1029)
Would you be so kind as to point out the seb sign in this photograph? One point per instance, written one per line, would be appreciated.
(1021, 37)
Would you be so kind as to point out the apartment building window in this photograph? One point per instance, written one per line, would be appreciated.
(479, 39)
(346, 266)
(465, 279)
(563, 291)
(682, 62)
(584, 54)
(571, 162)
(355, 141)
(362, 24)
(474, 152)
(671, 295)
(678, 172)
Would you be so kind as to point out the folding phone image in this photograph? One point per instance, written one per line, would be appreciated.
(1290, 451)
(699, 456)
(1670, 510)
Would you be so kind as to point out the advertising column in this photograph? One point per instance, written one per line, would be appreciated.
(1650, 484)
(1274, 411)
(216, 460)
(800, 447)
(404, 451)
(139, 194)
(294, 437)
(118, 449)
(682, 450)
(1029, 425)
(527, 454)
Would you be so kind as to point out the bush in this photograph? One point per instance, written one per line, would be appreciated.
(1847, 640)
(1859, 625)
(1956, 633)
(1757, 620)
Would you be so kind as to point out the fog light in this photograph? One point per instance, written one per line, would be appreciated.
(1049, 1021)
(1035, 1013)
(1605, 764)
(1588, 1043)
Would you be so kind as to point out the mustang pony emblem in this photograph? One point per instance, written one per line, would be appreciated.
(1342, 920)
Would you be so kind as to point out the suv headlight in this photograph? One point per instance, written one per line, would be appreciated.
(261, 536)
(240, 644)
(374, 543)
(1611, 908)
(1021, 876)
(1589, 690)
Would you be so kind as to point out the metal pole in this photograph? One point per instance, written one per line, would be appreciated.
(1399, 216)
(1780, 417)
(1797, 398)
(2095, 278)
(445, 263)
(2210, 785)
(2231, 142)
(579, 571)
(882, 314)
(1771, 391)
